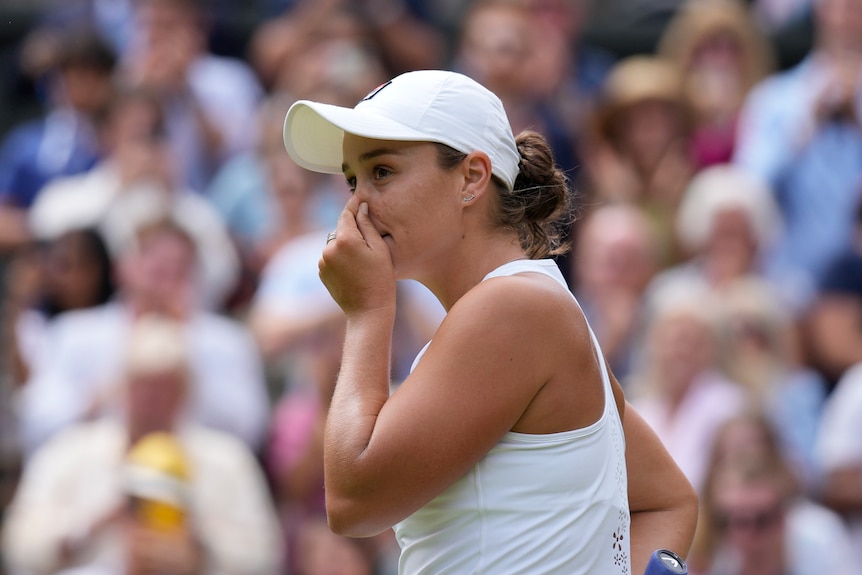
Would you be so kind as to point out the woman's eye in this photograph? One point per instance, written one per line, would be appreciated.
(381, 172)
(351, 184)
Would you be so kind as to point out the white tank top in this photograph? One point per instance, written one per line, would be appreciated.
(535, 504)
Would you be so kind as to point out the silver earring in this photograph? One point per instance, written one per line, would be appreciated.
(469, 198)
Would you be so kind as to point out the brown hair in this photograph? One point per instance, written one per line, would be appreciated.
(85, 48)
(541, 206)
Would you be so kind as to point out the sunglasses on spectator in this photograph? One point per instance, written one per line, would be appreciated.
(751, 520)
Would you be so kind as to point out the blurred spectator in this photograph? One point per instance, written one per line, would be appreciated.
(137, 180)
(834, 327)
(498, 47)
(566, 70)
(303, 203)
(565, 73)
(755, 520)
(320, 51)
(40, 283)
(677, 387)
(639, 146)
(72, 272)
(265, 198)
(799, 131)
(291, 301)
(112, 21)
(79, 500)
(726, 225)
(283, 44)
(77, 378)
(759, 349)
(391, 28)
(241, 190)
(208, 99)
(78, 74)
(337, 63)
(617, 254)
(722, 54)
(839, 451)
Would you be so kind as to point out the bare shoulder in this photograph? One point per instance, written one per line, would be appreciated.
(520, 301)
(529, 331)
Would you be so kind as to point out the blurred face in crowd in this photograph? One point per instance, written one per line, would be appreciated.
(719, 51)
(742, 439)
(159, 276)
(646, 130)
(136, 142)
(75, 272)
(338, 65)
(87, 89)
(732, 244)
(749, 516)
(155, 399)
(168, 39)
(291, 186)
(681, 345)
(565, 16)
(717, 77)
(495, 47)
(165, 21)
(616, 251)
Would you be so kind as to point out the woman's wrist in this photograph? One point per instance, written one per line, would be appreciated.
(370, 318)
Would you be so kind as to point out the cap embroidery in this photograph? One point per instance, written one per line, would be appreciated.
(374, 92)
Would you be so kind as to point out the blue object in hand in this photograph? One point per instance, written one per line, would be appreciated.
(665, 562)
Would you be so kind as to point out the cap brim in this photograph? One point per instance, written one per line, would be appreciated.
(314, 133)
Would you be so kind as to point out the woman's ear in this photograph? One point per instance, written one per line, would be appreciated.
(477, 175)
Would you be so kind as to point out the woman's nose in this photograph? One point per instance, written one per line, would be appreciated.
(361, 189)
(356, 198)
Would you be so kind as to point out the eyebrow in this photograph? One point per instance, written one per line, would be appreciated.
(371, 155)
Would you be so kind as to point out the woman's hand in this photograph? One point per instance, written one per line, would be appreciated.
(356, 265)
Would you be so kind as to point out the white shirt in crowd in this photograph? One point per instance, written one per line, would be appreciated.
(82, 364)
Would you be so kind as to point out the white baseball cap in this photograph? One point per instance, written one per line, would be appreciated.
(423, 106)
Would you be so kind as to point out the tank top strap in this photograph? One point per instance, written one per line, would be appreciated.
(545, 267)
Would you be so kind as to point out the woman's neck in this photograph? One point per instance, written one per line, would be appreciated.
(461, 274)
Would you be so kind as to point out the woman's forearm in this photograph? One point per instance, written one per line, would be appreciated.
(361, 391)
(667, 529)
(663, 503)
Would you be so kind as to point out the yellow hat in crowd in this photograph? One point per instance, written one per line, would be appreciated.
(157, 472)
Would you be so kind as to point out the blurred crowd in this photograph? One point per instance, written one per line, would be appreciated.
(167, 351)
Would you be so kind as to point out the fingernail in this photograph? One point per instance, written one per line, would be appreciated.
(363, 207)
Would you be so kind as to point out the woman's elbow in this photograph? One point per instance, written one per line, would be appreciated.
(341, 522)
(352, 519)
(690, 504)
(686, 508)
